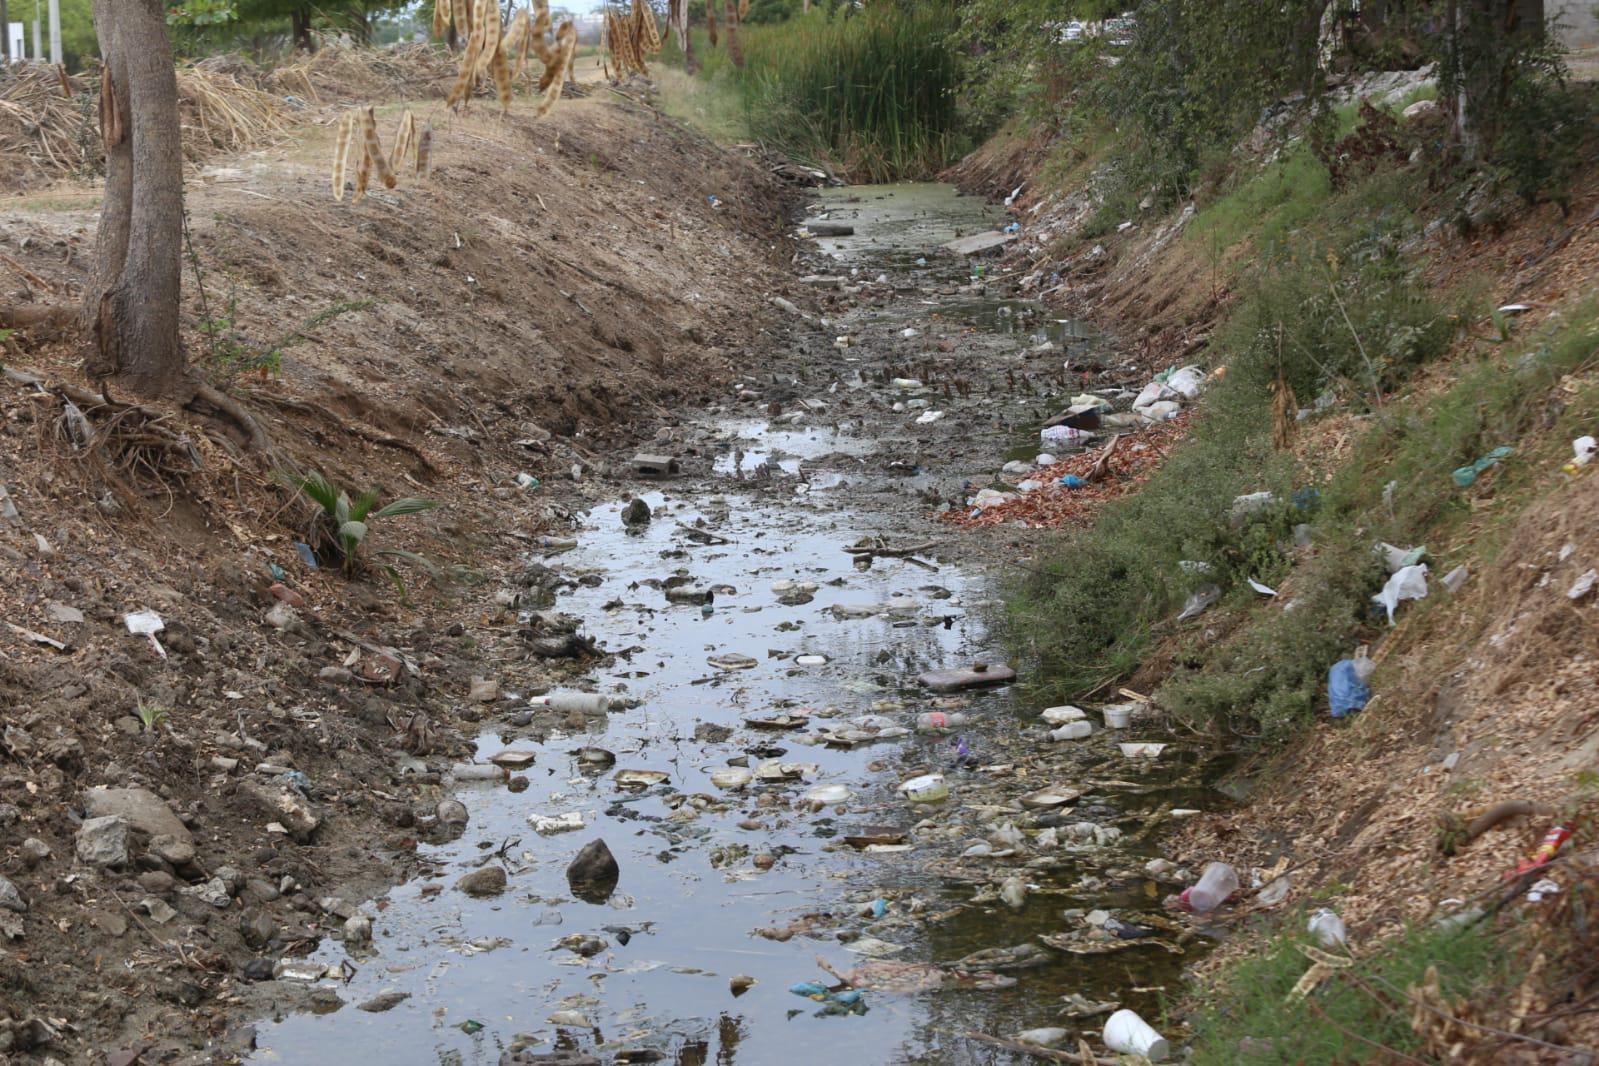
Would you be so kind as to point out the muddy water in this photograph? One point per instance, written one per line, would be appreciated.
(485, 976)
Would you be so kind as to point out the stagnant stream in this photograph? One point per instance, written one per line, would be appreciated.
(487, 975)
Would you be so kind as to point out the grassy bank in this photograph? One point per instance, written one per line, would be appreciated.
(870, 95)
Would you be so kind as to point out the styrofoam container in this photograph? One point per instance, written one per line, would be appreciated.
(1062, 715)
(929, 788)
(1129, 1034)
(1118, 717)
(1142, 751)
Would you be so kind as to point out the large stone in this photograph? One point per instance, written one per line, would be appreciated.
(10, 898)
(103, 841)
(173, 850)
(594, 874)
(489, 881)
(143, 810)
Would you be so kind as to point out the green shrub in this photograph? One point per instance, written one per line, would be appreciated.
(1341, 1020)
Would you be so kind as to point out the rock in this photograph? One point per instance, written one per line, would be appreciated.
(451, 812)
(594, 873)
(260, 891)
(1419, 108)
(636, 513)
(10, 898)
(10, 815)
(169, 849)
(103, 841)
(257, 970)
(258, 929)
(143, 809)
(337, 675)
(489, 881)
(1014, 893)
(282, 805)
(740, 984)
(358, 930)
(384, 1001)
(157, 881)
(34, 851)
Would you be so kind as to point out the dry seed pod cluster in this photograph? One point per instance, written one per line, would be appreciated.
(358, 133)
(630, 39)
(501, 52)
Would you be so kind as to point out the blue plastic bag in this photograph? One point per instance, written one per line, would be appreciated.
(1345, 690)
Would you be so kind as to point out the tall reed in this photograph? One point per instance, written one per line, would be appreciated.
(869, 93)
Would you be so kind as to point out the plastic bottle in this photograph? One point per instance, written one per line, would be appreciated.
(939, 722)
(1129, 1034)
(1072, 731)
(1218, 881)
(557, 544)
(567, 702)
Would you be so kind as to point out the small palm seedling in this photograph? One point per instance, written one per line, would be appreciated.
(152, 716)
(343, 523)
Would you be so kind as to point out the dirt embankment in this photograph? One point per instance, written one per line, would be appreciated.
(1483, 698)
(554, 282)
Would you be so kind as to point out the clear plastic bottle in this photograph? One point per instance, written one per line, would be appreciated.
(939, 722)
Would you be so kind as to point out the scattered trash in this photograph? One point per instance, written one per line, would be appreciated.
(1200, 599)
(938, 722)
(1346, 684)
(573, 702)
(656, 465)
(549, 825)
(1453, 580)
(146, 624)
(979, 676)
(1129, 1034)
(1142, 751)
(1216, 884)
(1328, 929)
(1396, 558)
(1552, 842)
(1079, 730)
(1250, 503)
(824, 796)
(1542, 890)
(1264, 590)
(1583, 585)
(1466, 475)
(1582, 453)
(1119, 716)
(732, 777)
(634, 779)
(730, 661)
(929, 788)
(1409, 583)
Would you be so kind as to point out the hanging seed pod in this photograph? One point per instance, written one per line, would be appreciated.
(424, 152)
(374, 149)
(341, 151)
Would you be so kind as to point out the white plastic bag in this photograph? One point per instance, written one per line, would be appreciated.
(1189, 381)
(1408, 583)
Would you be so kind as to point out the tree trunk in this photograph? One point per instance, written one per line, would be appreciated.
(735, 51)
(300, 24)
(133, 304)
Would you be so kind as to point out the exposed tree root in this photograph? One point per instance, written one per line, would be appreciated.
(260, 444)
(355, 429)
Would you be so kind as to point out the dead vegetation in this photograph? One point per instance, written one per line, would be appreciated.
(629, 40)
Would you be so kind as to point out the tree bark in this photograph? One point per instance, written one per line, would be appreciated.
(133, 304)
(300, 26)
(735, 50)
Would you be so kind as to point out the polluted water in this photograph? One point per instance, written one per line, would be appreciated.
(775, 886)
